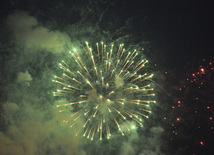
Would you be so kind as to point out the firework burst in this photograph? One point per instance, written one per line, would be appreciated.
(108, 89)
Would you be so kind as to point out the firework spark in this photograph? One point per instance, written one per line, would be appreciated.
(194, 109)
(106, 90)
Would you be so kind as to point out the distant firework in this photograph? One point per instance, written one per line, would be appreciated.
(105, 92)
(194, 109)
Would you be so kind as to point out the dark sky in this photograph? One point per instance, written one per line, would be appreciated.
(34, 35)
(180, 29)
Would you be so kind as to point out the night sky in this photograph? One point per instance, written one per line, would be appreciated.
(176, 36)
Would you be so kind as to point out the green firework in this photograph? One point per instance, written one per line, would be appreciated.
(107, 89)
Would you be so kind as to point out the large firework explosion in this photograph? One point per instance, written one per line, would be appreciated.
(104, 91)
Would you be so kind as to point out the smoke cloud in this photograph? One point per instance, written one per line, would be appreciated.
(31, 129)
(29, 33)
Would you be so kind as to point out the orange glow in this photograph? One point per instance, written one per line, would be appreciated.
(202, 71)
